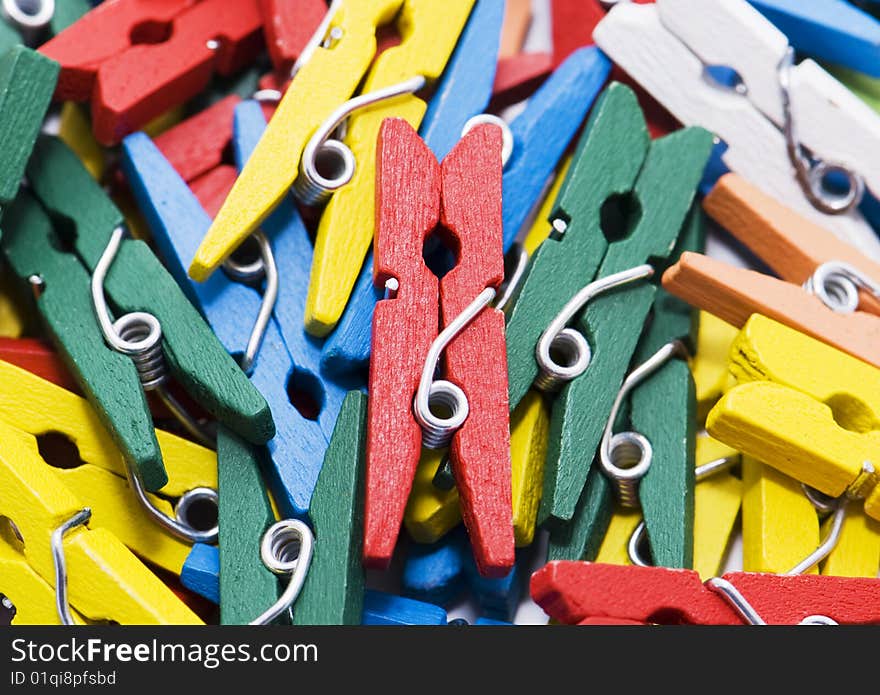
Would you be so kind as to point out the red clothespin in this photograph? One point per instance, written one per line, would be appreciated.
(37, 358)
(463, 195)
(586, 592)
(288, 26)
(135, 59)
(518, 76)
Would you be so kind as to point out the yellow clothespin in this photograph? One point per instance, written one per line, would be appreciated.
(432, 509)
(709, 366)
(541, 227)
(805, 408)
(857, 553)
(12, 317)
(75, 130)
(105, 581)
(716, 507)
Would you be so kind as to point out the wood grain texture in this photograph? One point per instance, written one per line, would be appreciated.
(734, 294)
(833, 30)
(105, 581)
(328, 79)
(247, 586)
(572, 591)
(333, 593)
(616, 134)
(857, 553)
(177, 222)
(780, 526)
(644, 46)
(461, 93)
(27, 80)
(429, 32)
(543, 131)
(287, 28)
(195, 357)
(470, 213)
(131, 82)
(664, 189)
(792, 246)
(408, 207)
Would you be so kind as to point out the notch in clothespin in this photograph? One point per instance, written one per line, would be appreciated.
(832, 30)
(814, 418)
(779, 111)
(662, 178)
(26, 83)
(110, 378)
(576, 592)
(134, 60)
(99, 578)
(414, 194)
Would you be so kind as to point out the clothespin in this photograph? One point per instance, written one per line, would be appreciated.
(517, 18)
(97, 472)
(717, 501)
(813, 418)
(832, 30)
(540, 135)
(857, 552)
(101, 579)
(572, 24)
(288, 26)
(432, 510)
(75, 131)
(662, 177)
(111, 379)
(26, 83)
(462, 93)
(518, 77)
(572, 592)
(134, 60)
(324, 81)
(333, 593)
(34, 356)
(831, 123)
(412, 191)
(709, 365)
(387, 609)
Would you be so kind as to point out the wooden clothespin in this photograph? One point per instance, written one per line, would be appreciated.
(413, 194)
(717, 501)
(105, 582)
(33, 245)
(333, 593)
(662, 177)
(573, 592)
(288, 26)
(26, 83)
(814, 418)
(286, 356)
(709, 365)
(857, 552)
(517, 18)
(75, 131)
(381, 608)
(518, 77)
(831, 123)
(37, 358)
(134, 60)
(45, 410)
(832, 30)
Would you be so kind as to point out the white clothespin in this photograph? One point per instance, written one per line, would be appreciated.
(666, 48)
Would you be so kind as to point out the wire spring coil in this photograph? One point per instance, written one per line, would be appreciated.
(837, 284)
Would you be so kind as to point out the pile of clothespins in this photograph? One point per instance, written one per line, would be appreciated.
(352, 312)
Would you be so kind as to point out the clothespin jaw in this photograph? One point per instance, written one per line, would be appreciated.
(110, 57)
(327, 79)
(26, 83)
(818, 425)
(572, 592)
(411, 186)
(105, 581)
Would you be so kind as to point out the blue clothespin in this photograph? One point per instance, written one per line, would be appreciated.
(463, 92)
(832, 30)
(201, 572)
(178, 223)
(541, 133)
(387, 609)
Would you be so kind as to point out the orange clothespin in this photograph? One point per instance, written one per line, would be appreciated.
(135, 59)
(414, 193)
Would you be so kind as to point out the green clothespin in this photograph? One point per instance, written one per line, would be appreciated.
(247, 586)
(656, 183)
(66, 13)
(61, 240)
(333, 593)
(27, 82)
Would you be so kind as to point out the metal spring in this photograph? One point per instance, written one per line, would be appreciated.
(810, 176)
(149, 360)
(328, 164)
(438, 430)
(837, 284)
(30, 17)
(563, 353)
(286, 549)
